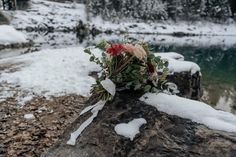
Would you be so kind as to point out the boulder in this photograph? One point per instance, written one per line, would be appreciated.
(163, 135)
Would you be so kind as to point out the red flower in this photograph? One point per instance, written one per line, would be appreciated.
(115, 49)
(151, 68)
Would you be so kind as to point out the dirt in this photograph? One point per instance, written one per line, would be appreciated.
(31, 137)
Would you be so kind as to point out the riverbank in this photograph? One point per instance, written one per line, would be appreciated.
(55, 16)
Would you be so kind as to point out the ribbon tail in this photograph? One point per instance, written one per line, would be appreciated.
(96, 108)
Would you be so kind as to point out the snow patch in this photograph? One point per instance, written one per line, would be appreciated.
(23, 100)
(9, 35)
(172, 55)
(6, 93)
(131, 129)
(196, 111)
(29, 116)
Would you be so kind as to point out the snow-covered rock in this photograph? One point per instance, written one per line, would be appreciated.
(177, 63)
(196, 111)
(9, 35)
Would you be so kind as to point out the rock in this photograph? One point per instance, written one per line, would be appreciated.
(188, 85)
(163, 135)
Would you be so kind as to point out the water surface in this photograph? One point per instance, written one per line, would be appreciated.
(218, 68)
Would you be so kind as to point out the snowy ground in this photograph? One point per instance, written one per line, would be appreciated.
(49, 73)
(201, 28)
(43, 13)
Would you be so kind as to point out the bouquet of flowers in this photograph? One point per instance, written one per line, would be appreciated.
(128, 66)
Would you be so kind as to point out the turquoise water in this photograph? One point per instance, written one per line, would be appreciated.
(218, 67)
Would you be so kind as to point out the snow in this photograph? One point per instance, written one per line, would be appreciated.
(131, 129)
(172, 55)
(43, 13)
(29, 116)
(194, 110)
(52, 72)
(23, 100)
(177, 63)
(95, 109)
(9, 35)
(182, 66)
(5, 93)
(166, 28)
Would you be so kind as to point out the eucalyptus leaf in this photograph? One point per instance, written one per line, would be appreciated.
(147, 88)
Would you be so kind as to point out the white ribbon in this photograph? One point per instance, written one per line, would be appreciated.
(96, 108)
(110, 87)
(172, 88)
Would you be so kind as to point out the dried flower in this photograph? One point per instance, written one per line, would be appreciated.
(115, 49)
(151, 68)
(136, 50)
